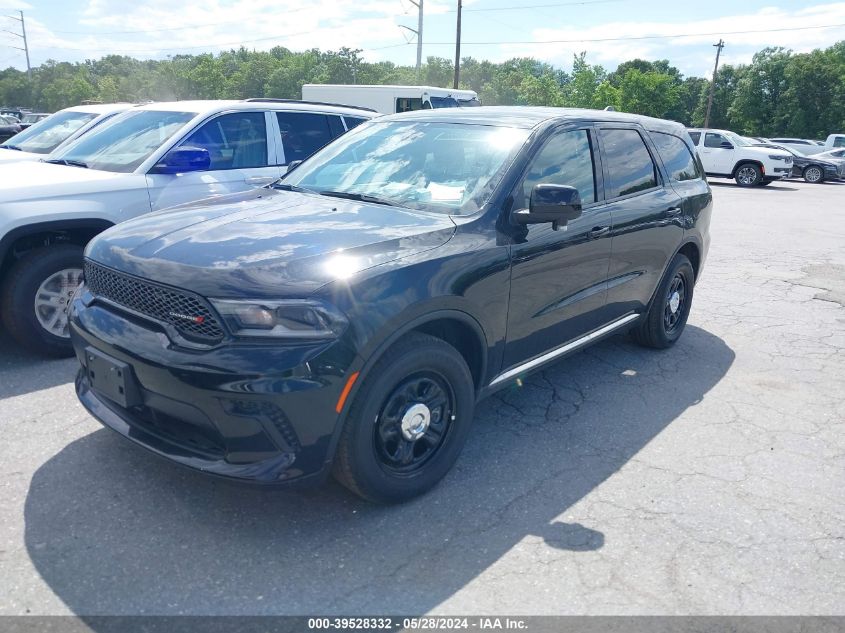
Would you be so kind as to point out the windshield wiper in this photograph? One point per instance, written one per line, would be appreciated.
(360, 197)
(283, 186)
(4, 146)
(66, 161)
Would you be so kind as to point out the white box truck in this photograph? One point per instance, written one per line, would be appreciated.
(390, 99)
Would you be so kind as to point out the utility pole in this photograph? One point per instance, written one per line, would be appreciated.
(719, 48)
(418, 32)
(22, 35)
(458, 49)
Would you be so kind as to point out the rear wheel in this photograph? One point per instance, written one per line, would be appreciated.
(748, 175)
(813, 174)
(408, 423)
(666, 318)
(36, 296)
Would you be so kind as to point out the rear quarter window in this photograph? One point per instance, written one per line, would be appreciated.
(676, 156)
(696, 137)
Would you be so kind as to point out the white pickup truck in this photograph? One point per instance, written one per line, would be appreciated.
(725, 154)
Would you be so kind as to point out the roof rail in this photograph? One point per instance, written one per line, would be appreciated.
(319, 103)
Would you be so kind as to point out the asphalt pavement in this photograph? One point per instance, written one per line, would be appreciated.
(705, 479)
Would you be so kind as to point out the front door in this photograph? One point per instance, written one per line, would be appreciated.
(240, 160)
(558, 278)
(716, 159)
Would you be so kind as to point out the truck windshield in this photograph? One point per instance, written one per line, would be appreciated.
(125, 142)
(46, 135)
(444, 102)
(444, 167)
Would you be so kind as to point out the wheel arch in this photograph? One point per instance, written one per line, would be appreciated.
(29, 236)
(744, 161)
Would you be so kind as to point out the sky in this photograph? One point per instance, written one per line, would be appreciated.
(610, 31)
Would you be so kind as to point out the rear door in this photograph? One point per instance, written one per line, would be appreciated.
(558, 277)
(647, 218)
(240, 151)
(303, 133)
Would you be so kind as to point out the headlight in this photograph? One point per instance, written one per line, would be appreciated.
(777, 157)
(291, 319)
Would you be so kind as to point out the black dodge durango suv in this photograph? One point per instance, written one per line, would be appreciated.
(347, 318)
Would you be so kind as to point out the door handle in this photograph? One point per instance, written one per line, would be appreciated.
(673, 211)
(259, 180)
(598, 231)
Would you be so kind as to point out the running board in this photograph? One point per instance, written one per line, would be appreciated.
(560, 351)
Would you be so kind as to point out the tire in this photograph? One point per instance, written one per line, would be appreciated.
(813, 174)
(748, 175)
(662, 325)
(375, 458)
(51, 269)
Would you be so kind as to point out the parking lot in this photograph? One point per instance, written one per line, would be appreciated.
(706, 479)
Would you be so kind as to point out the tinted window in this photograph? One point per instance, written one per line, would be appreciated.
(839, 141)
(303, 133)
(353, 121)
(629, 165)
(676, 156)
(696, 137)
(714, 140)
(336, 126)
(407, 104)
(567, 159)
(234, 141)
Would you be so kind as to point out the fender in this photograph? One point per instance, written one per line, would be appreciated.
(94, 225)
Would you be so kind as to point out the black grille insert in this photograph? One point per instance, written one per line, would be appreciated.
(188, 313)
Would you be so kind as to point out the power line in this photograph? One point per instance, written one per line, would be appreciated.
(21, 35)
(623, 39)
(536, 6)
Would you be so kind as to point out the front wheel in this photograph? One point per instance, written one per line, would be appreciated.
(35, 298)
(813, 174)
(748, 175)
(408, 423)
(666, 318)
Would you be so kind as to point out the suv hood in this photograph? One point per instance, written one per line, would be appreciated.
(27, 180)
(266, 243)
(13, 155)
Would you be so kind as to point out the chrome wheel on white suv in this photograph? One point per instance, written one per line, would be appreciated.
(747, 175)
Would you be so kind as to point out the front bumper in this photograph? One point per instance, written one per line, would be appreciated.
(257, 413)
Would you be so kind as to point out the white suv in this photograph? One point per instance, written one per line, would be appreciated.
(148, 158)
(728, 155)
(63, 127)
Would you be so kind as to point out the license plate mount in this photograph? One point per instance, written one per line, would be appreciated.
(112, 378)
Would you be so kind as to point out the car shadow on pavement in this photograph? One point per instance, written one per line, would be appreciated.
(114, 530)
(772, 187)
(22, 372)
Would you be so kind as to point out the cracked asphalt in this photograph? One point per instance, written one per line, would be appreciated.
(707, 479)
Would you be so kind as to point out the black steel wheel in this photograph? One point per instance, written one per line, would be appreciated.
(666, 318)
(413, 423)
(408, 422)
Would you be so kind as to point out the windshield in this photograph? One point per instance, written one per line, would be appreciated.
(444, 102)
(445, 167)
(46, 135)
(737, 140)
(469, 103)
(126, 141)
(32, 118)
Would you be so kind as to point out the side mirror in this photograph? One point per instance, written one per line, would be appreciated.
(726, 145)
(184, 159)
(557, 204)
(293, 165)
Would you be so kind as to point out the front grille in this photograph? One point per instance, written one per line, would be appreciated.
(188, 313)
